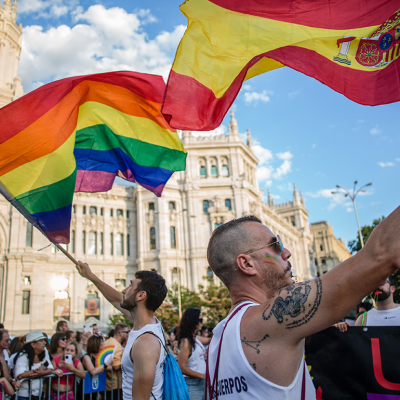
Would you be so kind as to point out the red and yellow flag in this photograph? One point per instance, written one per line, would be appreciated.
(351, 46)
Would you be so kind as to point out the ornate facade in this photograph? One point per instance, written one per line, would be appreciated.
(10, 51)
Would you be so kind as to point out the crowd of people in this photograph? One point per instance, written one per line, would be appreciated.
(256, 351)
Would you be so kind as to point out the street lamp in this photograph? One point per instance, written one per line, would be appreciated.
(353, 196)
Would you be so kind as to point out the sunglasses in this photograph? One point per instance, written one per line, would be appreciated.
(278, 247)
(125, 331)
(63, 338)
(387, 281)
(201, 320)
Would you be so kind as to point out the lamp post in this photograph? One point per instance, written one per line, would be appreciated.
(353, 196)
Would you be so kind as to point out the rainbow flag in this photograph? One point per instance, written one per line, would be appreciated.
(77, 134)
(351, 46)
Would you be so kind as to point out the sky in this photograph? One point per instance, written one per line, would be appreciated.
(303, 131)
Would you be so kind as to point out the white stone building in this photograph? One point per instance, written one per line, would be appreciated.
(10, 50)
(129, 229)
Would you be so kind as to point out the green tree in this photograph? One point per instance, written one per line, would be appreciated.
(355, 245)
(118, 318)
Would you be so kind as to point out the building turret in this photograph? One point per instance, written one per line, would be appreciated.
(270, 199)
(249, 139)
(233, 128)
(296, 198)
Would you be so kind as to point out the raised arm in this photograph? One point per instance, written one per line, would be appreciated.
(145, 354)
(112, 295)
(302, 309)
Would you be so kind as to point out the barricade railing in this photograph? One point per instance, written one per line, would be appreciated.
(91, 384)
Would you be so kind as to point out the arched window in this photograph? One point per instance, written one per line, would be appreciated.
(111, 212)
(73, 241)
(152, 238)
(73, 209)
(203, 171)
(214, 170)
(83, 242)
(93, 210)
(172, 205)
(228, 204)
(92, 245)
(84, 210)
(101, 211)
(112, 244)
(151, 206)
(225, 170)
(120, 213)
(206, 205)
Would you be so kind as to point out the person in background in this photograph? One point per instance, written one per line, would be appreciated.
(76, 367)
(71, 336)
(386, 311)
(121, 333)
(62, 326)
(363, 307)
(96, 330)
(191, 358)
(82, 339)
(172, 343)
(95, 344)
(32, 362)
(15, 346)
(110, 333)
(57, 345)
(4, 344)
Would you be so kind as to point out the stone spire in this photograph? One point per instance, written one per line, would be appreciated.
(249, 139)
(301, 198)
(233, 126)
(7, 5)
(296, 198)
(270, 199)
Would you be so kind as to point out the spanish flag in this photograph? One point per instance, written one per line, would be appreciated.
(352, 46)
(78, 134)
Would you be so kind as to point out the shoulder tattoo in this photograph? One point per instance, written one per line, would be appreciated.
(294, 304)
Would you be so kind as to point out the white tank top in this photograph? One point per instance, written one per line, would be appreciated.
(237, 379)
(196, 361)
(383, 317)
(127, 364)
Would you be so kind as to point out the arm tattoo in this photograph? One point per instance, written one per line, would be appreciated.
(294, 304)
(254, 344)
(254, 366)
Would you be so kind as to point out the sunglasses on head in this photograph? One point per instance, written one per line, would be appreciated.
(387, 281)
(277, 245)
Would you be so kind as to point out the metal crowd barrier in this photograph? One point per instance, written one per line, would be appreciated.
(48, 395)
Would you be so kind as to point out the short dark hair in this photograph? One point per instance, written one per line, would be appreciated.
(94, 344)
(154, 285)
(120, 327)
(226, 243)
(68, 334)
(60, 324)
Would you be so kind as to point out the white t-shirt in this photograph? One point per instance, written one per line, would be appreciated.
(237, 379)
(6, 356)
(383, 317)
(21, 366)
(196, 361)
(127, 364)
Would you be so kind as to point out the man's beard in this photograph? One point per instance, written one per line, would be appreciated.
(382, 296)
(276, 281)
(129, 303)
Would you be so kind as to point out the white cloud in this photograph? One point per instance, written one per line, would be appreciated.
(337, 198)
(397, 159)
(285, 187)
(314, 145)
(255, 97)
(264, 173)
(246, 86)
(375, 130)
(287, 155)
(46, 8)
(292, 95)
(386, 164)
(102, 40)
(264, 155)
(284, 169)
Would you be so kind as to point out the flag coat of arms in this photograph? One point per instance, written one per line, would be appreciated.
(352, 46)
(78, 134)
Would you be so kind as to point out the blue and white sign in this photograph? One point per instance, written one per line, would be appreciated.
(95, 383)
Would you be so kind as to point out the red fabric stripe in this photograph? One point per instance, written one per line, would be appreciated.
(35, 104)
(189, 105)
(326, 14)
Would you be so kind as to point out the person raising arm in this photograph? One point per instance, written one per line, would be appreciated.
(262, 345)
(142, 362)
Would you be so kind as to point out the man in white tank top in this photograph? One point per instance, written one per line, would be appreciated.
(142, 363)
(385, 312)
(261, 349)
